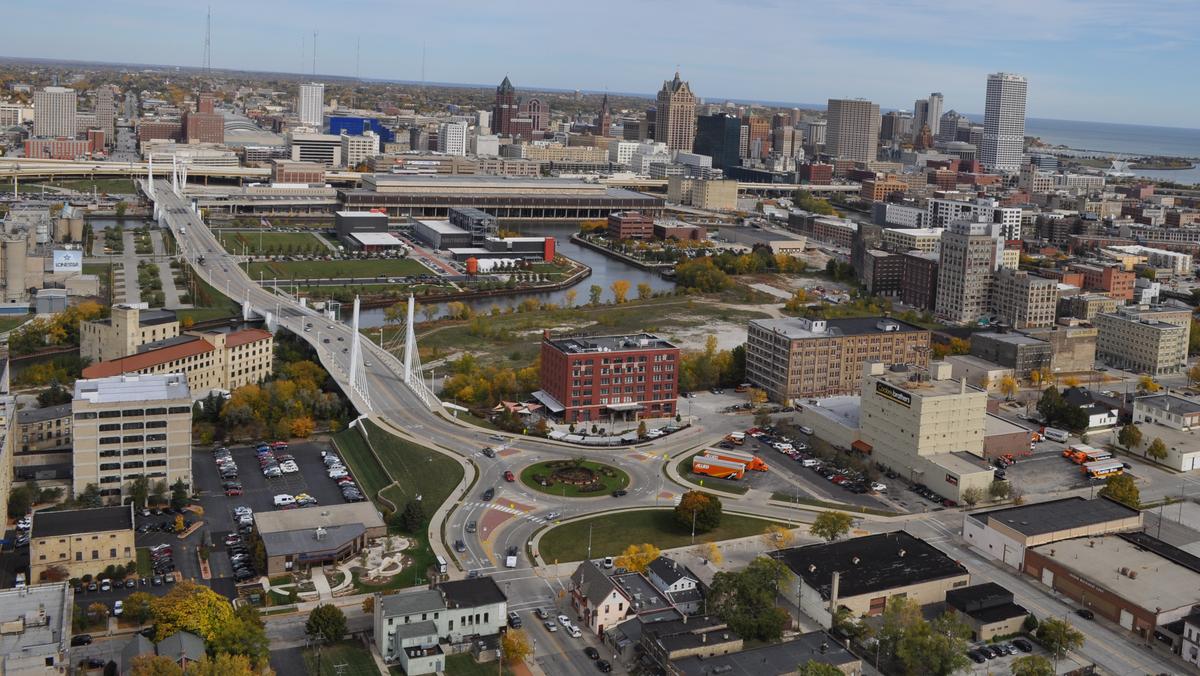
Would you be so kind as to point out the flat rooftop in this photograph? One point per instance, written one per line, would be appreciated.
(843, 410)
(1011, 338)
(281, 520)
(354, 214)
(304, 543)
(134, 387)
(869, 564)
(777, 658)
(646, 597)
(626, 343)
(917, 382)
(1053, 516)
(146, 317)
(1160, 583)
(46, 615)
(72, 521)
(917, 232)
(443, 227)
(376, 239)
(794, 328)
(1168, 402)
(994, 425)
(31, 415)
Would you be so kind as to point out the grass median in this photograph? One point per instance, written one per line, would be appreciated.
(611, 533)
(728, 485)
(607, 478)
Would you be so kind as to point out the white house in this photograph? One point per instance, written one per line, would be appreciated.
(677, 583)
(410, 628)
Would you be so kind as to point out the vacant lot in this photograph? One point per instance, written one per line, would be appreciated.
(347, 658)
(612, 533)
(270, 242)
(337, 269)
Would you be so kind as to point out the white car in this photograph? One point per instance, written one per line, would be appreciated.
(574, 631)
(289, 467)
(242, 510)
(25, 523)
(810, 462)
(284, 500)
(564, 620)
(654, 434)
(806, 430)
(118, 608)
(878, 487)
(338, 473)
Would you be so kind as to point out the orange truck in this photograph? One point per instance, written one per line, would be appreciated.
(738, 438)
(749, 461)
(717, 468)
(1082, 453)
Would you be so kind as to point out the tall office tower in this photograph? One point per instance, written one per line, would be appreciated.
(920, 114)
(483, 122)
(675, 123)
(933, 113)
(717, 136)
(603, 118)
(971, 251)
(505, 109)
(948, 126)
(54, 112)
(853, 132)
(814, 136)
(795, 117)
(452, 138)
(785, 141)
(1004, 122)
(106, 110)
(758, 140)
(889, 130)
(537, 111)
(310, 104)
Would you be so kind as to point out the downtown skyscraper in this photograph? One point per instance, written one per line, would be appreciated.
(54, 112)
(675, 119)
(310, 104)
(1004, 123)
(853, 129)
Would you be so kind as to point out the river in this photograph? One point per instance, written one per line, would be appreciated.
(605, 271)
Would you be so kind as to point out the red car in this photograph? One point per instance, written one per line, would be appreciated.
(233, 491)
(508, 476)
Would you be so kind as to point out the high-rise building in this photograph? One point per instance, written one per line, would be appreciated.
(970, 255)
(758, 138)
(948, 126)
(310, 104)
(54, 112)
(785, 141)
(452, 138)
(675, 122)
(853, 132)
(106, 110)
(603, 118)
(1024, 301)
(814, 136)
(717, 137)
(537, 111)
(1004, 122)
(920, 114)
(943, 212)
(204, 125)
(358, 149)
(505, 109)
(933, 116)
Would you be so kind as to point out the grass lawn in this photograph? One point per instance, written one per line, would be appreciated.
(731, 485)
(270, 242)
(103, 185)
(347, 658)
(784, 496)
(144, 568)
(463, 664)
(612, 533)
(369, 473)
(209, 303)
(337, 269)
(10, 322)
(610, 477)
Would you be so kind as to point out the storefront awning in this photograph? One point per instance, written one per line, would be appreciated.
(861, 446)
(631, 406)
(549, 401)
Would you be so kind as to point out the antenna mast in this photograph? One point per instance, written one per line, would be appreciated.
(422, 64)
(208, 42)
(314, 54)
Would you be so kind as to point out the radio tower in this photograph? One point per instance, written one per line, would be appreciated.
(208, 42)
(314, 54)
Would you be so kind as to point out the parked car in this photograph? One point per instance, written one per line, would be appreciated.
(81, 639)
(1085, 614)
(591, 653)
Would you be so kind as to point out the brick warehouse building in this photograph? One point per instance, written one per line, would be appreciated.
(598, 378)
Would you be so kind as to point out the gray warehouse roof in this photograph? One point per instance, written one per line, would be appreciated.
(1056, 515)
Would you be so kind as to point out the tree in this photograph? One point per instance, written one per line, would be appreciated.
(179, 494)
(1070, 381)
(777, 537)
(710, 552)
(20, 500)
(985, 382)
(245, 635)
(1008, 386)
(1157, 449)
(1122, 488)
(120, 208)
(1058, 636)
(154, 665)
(1193, 373)
(999, 490)
(900, 616)
(137, 607)
(55, 396)
(190, 607)
(972, 496)
(139, 490)
(745, 600)
(98, 611)
(937, 648)
(570, 295)
(699, 510)
(641, 430)
(644, 290)
(515, 646)
(831, 525)
(222, 664)
(1032, 665)
(1147, 384)
(756, 396)
(1050, 404)
(815, 668)
(368, 605)
(620, 289)
(594, 294)
(1130, 436)
(637, 557)
(326, 622)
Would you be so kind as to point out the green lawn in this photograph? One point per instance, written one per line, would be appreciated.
(464, 664)
(784, 496)
(369, 473)
(337, 269)
(347, 658)
(10, 322)
(612, 533)
(270, 242)
(209, 303)
(731, 485)
(144, 569)
(610, 478)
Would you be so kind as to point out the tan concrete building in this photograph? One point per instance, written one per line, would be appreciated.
(1144, 339)
(715, 195)
(81, 541)
(1004, 534)
(862, 573)
(7, 436)
(1072, 345)
(1022, 300)
(970, 253)
(131, 425)
(211, 360)
(1087, 305)
(42, 444)
(129, 327)
(925, 426)
(925, 240)
(852, 129)
(796, 358)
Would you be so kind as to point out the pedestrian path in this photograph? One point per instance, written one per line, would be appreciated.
(322, 585)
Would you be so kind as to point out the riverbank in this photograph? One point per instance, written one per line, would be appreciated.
(578, 276)
(624, 258)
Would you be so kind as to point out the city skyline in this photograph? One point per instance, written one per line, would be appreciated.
(1053, 44)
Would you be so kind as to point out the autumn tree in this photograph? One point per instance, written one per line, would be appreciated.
(570, 296)
(777, 537)
(637, 557)
(830, 526)
(1058, 636)
(698, 510)
(1008, 386)
(138, 607)
(222, 664)
(644, 290)
(620, 289)
(1147, 384)
(815, 668)
(710, 552)
(515, 646)
(594, 292)
(999, 490)
(154, 665)
(1123, 489)
(1032, 665)
(1070, 381)
(1130, 436)
(244, 635)
(756, 396)
(190, 607)
(1193, 373)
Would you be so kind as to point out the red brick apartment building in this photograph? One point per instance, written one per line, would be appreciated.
(604, 378)
(630, 225)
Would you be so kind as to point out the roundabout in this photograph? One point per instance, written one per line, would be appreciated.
(574, 478)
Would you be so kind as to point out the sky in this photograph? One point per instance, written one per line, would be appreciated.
(1104, 60)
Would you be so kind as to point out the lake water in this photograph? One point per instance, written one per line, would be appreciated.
(605, 271)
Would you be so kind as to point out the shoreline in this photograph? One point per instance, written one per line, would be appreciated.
(642, 265)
